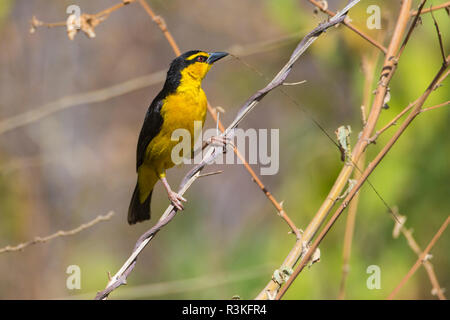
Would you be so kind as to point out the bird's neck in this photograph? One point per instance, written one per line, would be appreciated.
(190, 82)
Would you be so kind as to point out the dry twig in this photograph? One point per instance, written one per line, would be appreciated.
(438, 7)
(407, 233)
(363, 35)
(58, 234)
(421, 259)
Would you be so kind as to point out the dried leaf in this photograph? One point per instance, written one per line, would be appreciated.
(35, 23)
(73, 25)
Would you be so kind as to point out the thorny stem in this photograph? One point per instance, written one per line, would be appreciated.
(162, 25)
(420, 260)
(58, 234)
(407, 233)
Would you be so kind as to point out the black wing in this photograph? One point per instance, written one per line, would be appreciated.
(151, 127)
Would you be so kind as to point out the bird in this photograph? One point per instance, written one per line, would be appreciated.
(178, 105)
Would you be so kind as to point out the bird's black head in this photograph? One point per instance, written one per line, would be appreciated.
(192, 66)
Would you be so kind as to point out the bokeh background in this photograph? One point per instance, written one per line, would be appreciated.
(78, 163)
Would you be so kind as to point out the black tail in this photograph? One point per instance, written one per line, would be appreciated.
(138, 211)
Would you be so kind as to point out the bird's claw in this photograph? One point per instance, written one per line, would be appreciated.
(220, 141)
(176, 200)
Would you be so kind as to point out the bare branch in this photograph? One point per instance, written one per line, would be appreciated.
(441, 45)
(58, 234)
(162, 25)
(436, 106)
(407, 233)
(350, 26)
(438, 7)
(421, 259)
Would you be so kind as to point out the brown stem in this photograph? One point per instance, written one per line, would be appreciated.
(162, 25)
(436, 106)
(420, 260)
(438, 7)
(437, 290)
(350, 26)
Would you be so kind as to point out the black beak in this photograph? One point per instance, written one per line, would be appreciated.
(214, 56)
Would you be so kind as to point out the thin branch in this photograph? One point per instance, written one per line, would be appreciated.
(86, 22)
(94, 96)
(321, 7)
(411, 28)
(421, 259)
(441, 44)
(393, 122)
(436, 106)
(58, 234)
(162, 25)
(389, 67)
(438, 7)
(120, 277)
(407, 233)
(370, 168)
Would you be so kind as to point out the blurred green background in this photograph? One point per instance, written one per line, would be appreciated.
(75, 164)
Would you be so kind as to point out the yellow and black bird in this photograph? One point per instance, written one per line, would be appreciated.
(178, 105)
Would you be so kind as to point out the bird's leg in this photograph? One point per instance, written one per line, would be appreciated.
(174, 197)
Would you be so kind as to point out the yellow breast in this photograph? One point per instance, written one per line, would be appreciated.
(179, 111)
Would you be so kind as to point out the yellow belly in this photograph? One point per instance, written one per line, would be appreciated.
(180, 110)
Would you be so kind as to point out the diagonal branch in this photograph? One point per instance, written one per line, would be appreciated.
(407, 233)
(370, 168)
(162, 25)
(421, 259)
(438, 7)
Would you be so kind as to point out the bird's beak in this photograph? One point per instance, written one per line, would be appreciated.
(214, 56)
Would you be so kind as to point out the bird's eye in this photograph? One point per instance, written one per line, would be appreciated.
(201, 59)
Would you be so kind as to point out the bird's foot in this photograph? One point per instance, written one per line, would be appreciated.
(220, 141)
(176, 200)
